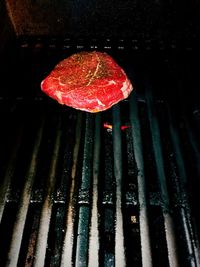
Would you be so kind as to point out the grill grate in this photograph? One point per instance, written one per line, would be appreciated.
(76, 193)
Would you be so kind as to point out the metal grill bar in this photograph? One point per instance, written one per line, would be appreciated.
(94, 232)
(4, 187)
(66, 259)
(157, 149)
(192, 247)
(67, 252)
(194, 145)
(108, 197)
(84, 196)
(13, 254)
(143, 215)
(117, 154)
(47, 206)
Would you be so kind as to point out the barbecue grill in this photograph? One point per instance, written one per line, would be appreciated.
(116, 188)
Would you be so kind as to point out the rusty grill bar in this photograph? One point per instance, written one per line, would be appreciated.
(74, 193)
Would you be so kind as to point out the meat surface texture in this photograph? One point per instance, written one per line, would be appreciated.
(89, 81)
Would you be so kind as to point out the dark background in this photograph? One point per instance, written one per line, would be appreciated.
(156, 19)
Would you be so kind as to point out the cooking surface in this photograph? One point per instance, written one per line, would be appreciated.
(79, 188)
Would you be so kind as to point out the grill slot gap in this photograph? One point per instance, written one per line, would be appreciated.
(46, 211)
(142, 191)
(118, 173)
(69, 242)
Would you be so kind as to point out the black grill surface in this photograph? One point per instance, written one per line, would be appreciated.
(116, 188)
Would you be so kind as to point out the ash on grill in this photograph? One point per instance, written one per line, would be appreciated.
(110, 189)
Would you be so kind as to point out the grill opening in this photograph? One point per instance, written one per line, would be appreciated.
(79, 189)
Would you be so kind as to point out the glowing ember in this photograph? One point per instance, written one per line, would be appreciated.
(109, 126)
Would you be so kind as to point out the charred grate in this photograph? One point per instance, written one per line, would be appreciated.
(79, 189)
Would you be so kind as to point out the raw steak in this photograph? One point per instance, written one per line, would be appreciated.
(90, 81)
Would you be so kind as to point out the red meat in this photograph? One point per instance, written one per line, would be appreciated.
(90, 81)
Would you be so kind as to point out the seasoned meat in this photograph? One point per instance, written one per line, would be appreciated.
(90, 81)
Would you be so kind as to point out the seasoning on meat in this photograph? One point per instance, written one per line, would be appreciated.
(89, 81)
